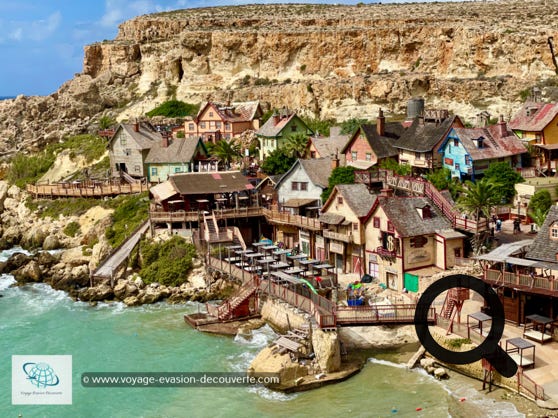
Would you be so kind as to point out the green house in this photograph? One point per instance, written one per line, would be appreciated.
(278, 128)
(172, 156)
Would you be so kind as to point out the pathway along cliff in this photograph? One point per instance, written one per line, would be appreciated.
(323, 60)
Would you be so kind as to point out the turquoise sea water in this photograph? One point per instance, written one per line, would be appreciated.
(36, 320)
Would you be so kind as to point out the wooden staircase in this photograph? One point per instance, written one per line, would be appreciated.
(229, 309)
(453, 303)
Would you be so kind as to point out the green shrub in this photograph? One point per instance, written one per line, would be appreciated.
(26, 169)
(458, 342)
(168, 263)
(72, 229)
(174, 109)
(129, 213)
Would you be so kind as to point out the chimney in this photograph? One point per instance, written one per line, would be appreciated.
(165, 140)
(334, 161)
(136, 126)
(502, 127)
(386, 192)
(381, 123)
(276, 118)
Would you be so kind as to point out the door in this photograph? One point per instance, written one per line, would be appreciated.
(411, 282)
(339, 263)
(357, 265)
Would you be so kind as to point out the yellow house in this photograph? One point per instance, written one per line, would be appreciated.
(407, 238)
(526, 190)
(343, 216)
(536, 124)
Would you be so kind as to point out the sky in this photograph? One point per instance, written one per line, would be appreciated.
(42, 41)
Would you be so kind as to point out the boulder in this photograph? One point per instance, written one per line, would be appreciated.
(440, 373)
(151, 295)
(30, 272)
(427, 362)
(47, 259)
(12, 235)
(327, 349)
(268, 362)
(51, 242)
(132, 301)
(16, 261)
(98, 293)
(120, 289)
(139, 282)
(74, 257)
(3, 193)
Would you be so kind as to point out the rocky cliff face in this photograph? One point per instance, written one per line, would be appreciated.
(329, 61)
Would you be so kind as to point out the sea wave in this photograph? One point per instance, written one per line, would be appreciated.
(6, 280)
(386, 363)
(4, 255)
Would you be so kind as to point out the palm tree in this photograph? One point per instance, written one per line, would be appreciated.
(538, 215)
(296, 145)
(479, 198)
(226, 151)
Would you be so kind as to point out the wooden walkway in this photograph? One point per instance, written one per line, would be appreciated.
(324, 311)
(120, 254)
(96, 189)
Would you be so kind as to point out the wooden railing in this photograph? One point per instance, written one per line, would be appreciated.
(224, 267)
(275, 216)
(85, 189)
(404, 313)
(528, 386)
(522, 281)
(177, 216)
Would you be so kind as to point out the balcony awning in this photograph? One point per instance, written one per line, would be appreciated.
(331, 218)
(163, 191)
(297, 203)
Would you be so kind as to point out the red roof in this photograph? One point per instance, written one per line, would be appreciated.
(534, 116)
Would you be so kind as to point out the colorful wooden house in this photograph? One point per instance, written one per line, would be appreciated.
(172, 156)
(129, 146)
(419, 144)
(408, 238)
(468, 152)
(216, 121)
(277, 129)
(536, 124)
(371, 144)
(343, 216)
(299, 193)
(330, 146)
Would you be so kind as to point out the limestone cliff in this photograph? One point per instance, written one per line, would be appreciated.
(325, 60)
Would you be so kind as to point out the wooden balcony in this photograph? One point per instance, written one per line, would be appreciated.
(194, 216)
(348, 238)
(522, 282)
(285, 218)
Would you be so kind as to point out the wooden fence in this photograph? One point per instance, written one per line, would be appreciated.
(85, 189)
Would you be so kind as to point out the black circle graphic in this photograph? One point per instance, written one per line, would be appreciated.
(489, 348)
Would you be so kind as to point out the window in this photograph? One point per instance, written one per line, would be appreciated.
(178, 169)
(127, 151)
(339, 200)
(376, 221)
(122, 140)
(455, 142)
(210, 114)
(303, 186)
(457, 166)
(294, 185)
(137, 168)
(554, 231)
(390, 226)
(418, 156)
(227, 126)
(202, 125)
(355, 226)
(354, 155)
(312, 154)
(467, 160)
(538, 138)
(153, 171)
(190, 126)
(218, 125)
(293, 128)
(368, 156)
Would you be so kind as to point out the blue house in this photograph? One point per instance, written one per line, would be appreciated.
(468, 152)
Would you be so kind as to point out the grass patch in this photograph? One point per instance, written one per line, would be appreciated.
(26, 169)
(66, 207)
(174, 109)
(129, 213)
(458, 342)
(72, 229)
(168, 263)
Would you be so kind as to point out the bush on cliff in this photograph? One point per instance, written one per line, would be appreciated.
(129, 213)
(174, 109)
(168, 263)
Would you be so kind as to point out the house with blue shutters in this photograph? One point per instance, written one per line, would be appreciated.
(468, 152)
